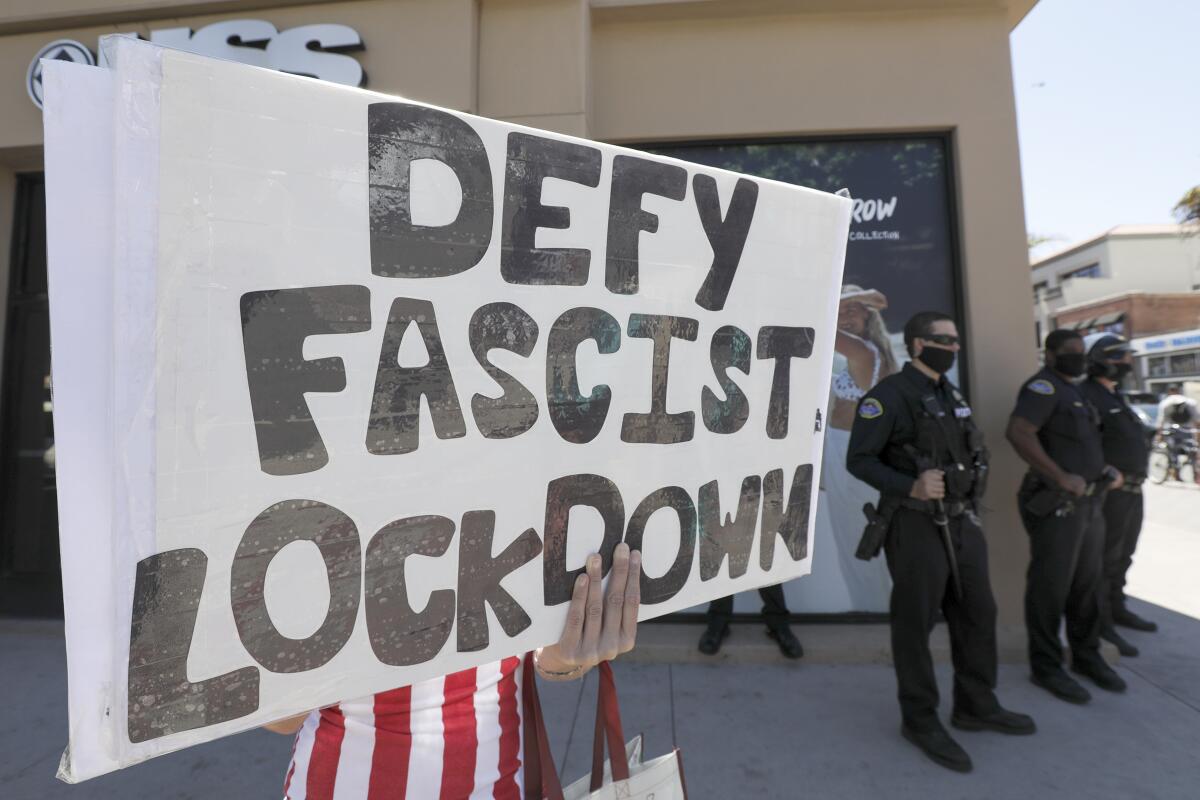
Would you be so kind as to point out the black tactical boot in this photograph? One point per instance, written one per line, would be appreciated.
(1062, 686)
(1124, 647)
(789, 645)
(1127, 619)
(941, 749)
(1101, 674)
(714, 634)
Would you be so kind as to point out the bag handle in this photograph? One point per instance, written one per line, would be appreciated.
(608, 726)
(541, 778)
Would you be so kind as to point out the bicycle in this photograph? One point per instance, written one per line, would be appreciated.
(1174, 456)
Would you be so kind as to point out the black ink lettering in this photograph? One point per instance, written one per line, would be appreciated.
(336, 537)
(400, 636)
(633, 177)
(730, 347)
(532, 159)
(658, 590)
(659, 427)
(396, 406)
(727, 236)
(734, 537)
(782, 344)
(562, 495)
(479, 576)
(507, 326)
(275, 324)
(162, 701)
(792, 527)
(576, 417)
(397, 135)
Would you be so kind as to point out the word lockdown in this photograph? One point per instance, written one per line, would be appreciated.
(275, 323)
(163, 701)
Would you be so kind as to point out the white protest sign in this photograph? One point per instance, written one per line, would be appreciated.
(383, 374)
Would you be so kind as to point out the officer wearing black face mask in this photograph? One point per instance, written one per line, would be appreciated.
(914, 440)
(1109, 360)
(1056, 431)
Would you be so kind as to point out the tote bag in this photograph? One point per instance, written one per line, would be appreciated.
(627, 776)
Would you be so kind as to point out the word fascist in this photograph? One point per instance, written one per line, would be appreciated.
(276, 323)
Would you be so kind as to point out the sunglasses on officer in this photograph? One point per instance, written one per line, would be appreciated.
(943, 339)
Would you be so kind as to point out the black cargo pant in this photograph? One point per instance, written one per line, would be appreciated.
(1066, 554)
(775, 611)
(1123, 511)
(921, 586)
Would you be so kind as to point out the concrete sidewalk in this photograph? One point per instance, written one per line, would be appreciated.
(746, 730)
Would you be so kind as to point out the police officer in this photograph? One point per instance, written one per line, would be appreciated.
(914, 440)
(1056, 431)
(1110, 359)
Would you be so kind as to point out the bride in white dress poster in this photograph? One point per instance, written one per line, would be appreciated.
(864, 356)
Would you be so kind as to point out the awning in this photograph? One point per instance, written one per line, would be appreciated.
(1109, 319)
(1080, 325)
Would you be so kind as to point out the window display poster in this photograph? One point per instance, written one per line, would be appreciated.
(899, 260)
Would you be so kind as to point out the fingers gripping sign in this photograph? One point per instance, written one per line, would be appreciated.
(601, 624)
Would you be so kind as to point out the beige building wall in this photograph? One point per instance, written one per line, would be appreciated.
(637, 71)
(1132, 258)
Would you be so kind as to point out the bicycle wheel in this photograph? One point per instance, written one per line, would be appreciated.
(1158, 467)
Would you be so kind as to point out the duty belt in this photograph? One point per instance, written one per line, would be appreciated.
(1036, 483)
(1133, 483)
(954, 508)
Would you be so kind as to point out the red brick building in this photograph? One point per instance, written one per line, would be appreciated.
(1133, 314)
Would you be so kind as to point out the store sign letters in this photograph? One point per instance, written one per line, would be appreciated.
(318, 51)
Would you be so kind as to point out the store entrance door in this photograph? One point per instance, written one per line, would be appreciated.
(30, 580)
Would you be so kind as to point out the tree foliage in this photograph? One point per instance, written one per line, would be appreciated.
(1187, 210)
(1038, 239)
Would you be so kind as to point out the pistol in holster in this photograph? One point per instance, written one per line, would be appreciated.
(878, 522)
(1049, 500)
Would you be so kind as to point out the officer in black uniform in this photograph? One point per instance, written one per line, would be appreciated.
(1110, 359)
(1056, 431)
(914, 440)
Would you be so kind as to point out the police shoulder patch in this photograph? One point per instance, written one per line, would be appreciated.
(870, 408)
(1041, 386)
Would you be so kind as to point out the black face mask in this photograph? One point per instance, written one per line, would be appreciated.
(938, 359)
(1070, 364)
(1121, 370)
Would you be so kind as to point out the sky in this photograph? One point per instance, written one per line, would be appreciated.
(1108, 113)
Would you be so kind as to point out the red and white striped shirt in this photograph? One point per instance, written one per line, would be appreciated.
(451, 738)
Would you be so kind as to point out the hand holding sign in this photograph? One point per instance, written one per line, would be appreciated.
(598, 628)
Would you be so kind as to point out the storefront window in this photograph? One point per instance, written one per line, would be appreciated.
(899, 261)
(1090, 271)
(1158, 367)
(1184, 364)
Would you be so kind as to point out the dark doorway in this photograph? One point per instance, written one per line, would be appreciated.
(30, 580)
